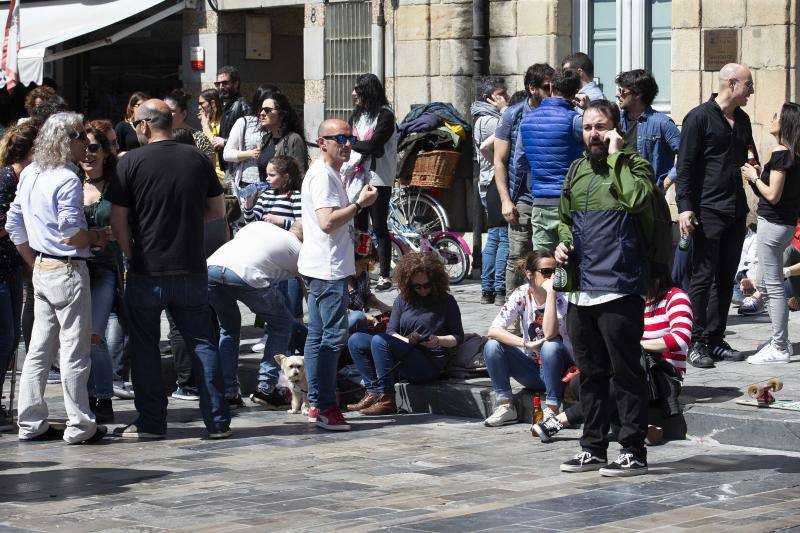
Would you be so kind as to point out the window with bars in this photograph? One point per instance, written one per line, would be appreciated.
(348, 41)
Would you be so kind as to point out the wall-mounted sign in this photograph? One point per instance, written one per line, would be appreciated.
(720, 47)
(258, 37)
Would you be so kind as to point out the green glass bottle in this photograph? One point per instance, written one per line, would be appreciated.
(565, 278)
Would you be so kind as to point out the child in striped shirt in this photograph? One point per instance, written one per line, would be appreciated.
(280, 204)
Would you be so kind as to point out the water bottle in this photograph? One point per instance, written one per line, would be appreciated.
(252, 190)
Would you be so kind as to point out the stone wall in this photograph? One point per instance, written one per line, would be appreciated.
(433, 46)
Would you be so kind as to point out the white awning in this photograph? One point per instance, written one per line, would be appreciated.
(46, 24)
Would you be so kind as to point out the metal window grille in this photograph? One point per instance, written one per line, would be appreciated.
(348, 41)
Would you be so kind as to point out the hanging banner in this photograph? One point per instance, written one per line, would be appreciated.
(9, 76)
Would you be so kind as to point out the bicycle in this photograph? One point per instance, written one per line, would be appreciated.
(413, 206)
(449, 246)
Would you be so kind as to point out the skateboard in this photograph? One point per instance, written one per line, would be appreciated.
(761, 396)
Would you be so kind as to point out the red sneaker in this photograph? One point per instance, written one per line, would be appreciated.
(332, 419)
(313, 412)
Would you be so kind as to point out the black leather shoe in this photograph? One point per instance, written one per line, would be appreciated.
(49, 435)
(699, 357)
(99, 433)
(722, 351)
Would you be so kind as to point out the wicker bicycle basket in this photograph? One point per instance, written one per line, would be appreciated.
(436, 168)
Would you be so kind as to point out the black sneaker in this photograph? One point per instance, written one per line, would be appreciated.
(627, 464)
(384, 284)
(235, 403)
(584, 462)
(99, 433)
(487, 297)
(699, 357)
(51, 434)
(722, 351)
(274, 399)
(6, 422)
(547, 428)
(104, 411)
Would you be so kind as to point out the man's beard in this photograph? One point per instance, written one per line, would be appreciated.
(597, 152)
(142, 139)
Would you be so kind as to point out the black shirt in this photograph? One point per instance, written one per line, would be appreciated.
(788, 207)
(494, 207)
(126, 137)
(165, 185)
(709, 160)
(267, 153)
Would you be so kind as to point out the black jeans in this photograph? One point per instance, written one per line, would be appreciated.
(181, 358)
(605, 341)
(379, 213)
(717, 246)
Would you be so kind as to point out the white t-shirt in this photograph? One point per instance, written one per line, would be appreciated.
(325, 256)
(261, 254)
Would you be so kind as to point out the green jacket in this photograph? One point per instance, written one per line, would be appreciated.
(604, 212)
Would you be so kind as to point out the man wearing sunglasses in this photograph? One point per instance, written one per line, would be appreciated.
(715, 139)
(234, 106)
(326, 261)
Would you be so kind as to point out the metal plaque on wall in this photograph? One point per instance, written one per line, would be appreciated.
(720, 47)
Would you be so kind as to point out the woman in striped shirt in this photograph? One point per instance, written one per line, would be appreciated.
(280, 204)
(667, 331)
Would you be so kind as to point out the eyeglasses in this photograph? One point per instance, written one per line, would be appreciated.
(420, 286)
(93, 148)
(341, 138)
(137, 122)
(622, 92)
(221, 83)
(78, 136)
(266, 111)
(546, 272)
(748, 84)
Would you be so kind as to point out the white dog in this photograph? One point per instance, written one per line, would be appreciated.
(295, 372)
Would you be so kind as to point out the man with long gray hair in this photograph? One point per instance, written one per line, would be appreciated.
(47, 225)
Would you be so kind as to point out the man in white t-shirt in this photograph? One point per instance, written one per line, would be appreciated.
(248, 269)
(327, 259)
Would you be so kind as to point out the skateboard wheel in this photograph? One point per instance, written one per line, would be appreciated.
(775, 384)
(752, 391)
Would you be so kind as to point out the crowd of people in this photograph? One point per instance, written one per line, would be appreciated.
(107, 227)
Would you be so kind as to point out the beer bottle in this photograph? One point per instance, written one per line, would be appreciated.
(538, 415)
(751, 156)
(565, 278)
(686, 239)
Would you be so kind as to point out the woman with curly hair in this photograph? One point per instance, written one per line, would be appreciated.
(425, 322)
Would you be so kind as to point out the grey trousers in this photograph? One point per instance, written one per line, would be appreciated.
(519, 245)
(771, 242)
(63, 310)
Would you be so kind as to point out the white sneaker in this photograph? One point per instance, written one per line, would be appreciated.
(504, 414)
(258, 348)
(769, 354)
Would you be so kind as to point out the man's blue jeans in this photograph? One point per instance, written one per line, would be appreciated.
(103, 284)
(495, 257)
(505, 362)
(226, 289)
(375, 357)
(327, 333)
(186, 297)
(10, 317)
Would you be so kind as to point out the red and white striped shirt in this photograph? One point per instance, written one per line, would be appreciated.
(670, 319)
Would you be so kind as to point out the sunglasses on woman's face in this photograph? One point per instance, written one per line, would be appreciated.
(546, 272)
(93, 148)
(266, 111)
(420, 286)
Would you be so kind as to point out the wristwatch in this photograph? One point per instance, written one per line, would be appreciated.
(358, 205)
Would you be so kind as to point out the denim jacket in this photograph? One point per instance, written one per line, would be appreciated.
(657, 140)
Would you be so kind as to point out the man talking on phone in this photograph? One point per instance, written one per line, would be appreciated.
(603, 204)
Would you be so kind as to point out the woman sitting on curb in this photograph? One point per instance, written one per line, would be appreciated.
(667, 331)
(539, 358)
(425, 322)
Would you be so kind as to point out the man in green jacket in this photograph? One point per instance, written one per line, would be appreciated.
(605, 215)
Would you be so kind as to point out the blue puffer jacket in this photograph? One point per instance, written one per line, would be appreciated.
(551, 142)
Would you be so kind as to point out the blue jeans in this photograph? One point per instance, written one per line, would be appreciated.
(327, 333)
(226, 289)
(376, 355)
(103, 283)
(186, 297)
(505, 362)
(115, 339)
(495, 257)
(357, 322)
(10, 318)
(291, 290)
(682, 267)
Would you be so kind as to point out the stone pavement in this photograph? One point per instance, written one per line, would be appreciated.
(402, 473)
